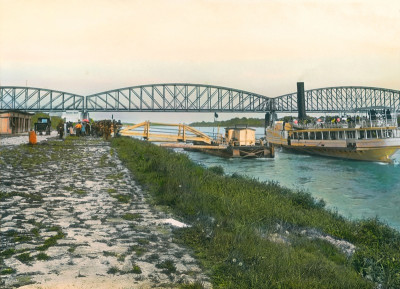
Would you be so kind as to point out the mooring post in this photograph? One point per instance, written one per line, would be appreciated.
(301, 101)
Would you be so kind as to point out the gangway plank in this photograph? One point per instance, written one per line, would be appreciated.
(184, 133)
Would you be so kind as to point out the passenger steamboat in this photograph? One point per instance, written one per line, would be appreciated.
(374, 138)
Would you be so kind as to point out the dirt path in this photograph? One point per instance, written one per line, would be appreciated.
(73, 217)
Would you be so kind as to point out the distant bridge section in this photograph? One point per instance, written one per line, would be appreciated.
(38, 99)
(339, 99)
(177, 97)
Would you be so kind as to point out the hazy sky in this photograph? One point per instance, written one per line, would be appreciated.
(88, 46)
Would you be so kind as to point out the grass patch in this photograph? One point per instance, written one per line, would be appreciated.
(80, 192)
(131, 217)
(8, 253)
(7, 271)
(196, 285)
(42, 257)
(35, 232)
(29, 197)
(24, 258)
(122, 198)
(69, 188)
(52, 241)
(109, 254)
(19, 237)
(111, 191)
(167, 266)
(232, 217)
(136, 269)
(139, 250)
(115, 177)
(113, 270)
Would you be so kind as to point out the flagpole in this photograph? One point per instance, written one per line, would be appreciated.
(215, 118)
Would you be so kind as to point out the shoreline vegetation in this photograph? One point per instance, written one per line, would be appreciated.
(254, 122)
(251, 234)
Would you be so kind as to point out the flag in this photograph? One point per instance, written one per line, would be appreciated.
(215, 115)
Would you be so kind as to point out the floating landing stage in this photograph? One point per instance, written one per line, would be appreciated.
(226, 151)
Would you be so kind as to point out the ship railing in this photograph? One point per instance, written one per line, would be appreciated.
(363, 123)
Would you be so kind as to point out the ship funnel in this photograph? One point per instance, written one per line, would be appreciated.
(301, 101)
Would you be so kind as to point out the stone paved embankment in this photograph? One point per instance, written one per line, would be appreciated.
(73, 217)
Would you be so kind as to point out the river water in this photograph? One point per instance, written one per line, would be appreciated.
(355, 189)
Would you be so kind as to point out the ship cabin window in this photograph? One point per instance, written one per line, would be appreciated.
(333, 135)
(318, 135)
(389, 133)
(350, 134)
(379, 133)
(298, 135)
(361, 134)
(312, 135)
(325, 135)
(372, 134)
(341, 135)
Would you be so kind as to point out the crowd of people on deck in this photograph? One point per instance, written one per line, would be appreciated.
(372, 115)
(103, 128)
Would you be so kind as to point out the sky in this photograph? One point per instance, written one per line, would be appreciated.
(265, 47)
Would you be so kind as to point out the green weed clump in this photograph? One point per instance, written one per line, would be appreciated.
(42, 257)
(7, 271)
(131, 217)
(234, 217)
(167, 266)
(24, 257)
(136, 269)
(52, 241)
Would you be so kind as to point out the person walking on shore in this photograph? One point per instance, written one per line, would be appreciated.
(60, 128)
(78, 128)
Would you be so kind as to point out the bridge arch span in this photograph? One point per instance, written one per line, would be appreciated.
(178, 97)
(341, 98)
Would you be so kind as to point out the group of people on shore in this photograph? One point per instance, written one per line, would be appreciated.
(103, 128)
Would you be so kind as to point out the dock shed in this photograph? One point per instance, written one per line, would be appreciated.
(240, 136)
(15, 121)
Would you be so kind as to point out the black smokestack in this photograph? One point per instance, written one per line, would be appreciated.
(301, 101)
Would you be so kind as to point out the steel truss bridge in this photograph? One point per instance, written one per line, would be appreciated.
(38, 99)
(184, 97)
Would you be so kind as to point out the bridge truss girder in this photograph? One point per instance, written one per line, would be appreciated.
(38, 99)
(340, 99)
(196, 98)
(178, 97)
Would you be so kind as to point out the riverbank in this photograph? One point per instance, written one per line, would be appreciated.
(73, 217)
(260, 235)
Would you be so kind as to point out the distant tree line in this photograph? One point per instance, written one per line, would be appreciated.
(254, 122)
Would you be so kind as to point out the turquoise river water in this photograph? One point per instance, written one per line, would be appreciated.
(355, 189)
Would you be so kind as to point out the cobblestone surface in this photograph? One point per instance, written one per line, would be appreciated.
(73, 217)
